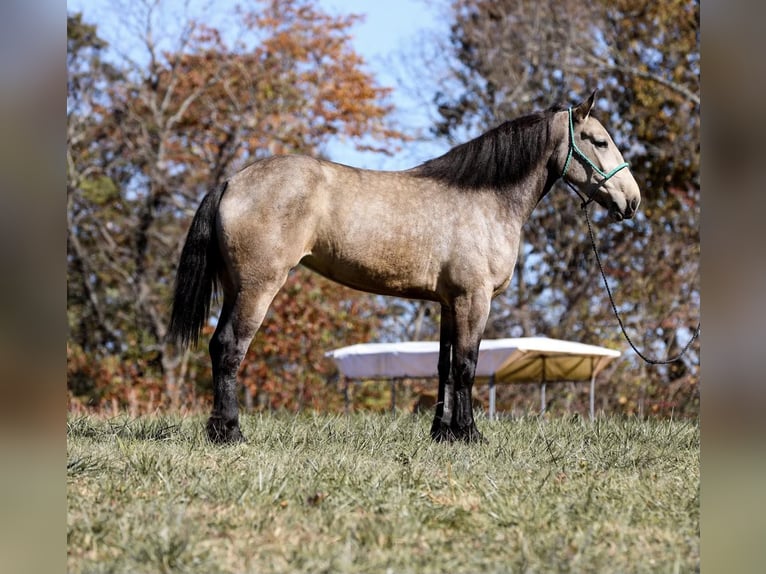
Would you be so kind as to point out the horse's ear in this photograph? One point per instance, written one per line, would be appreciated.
(582, 110)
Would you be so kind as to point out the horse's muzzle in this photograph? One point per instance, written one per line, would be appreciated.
(627, 212)
(631, 208)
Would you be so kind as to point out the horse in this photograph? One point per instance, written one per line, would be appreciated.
(447, 231)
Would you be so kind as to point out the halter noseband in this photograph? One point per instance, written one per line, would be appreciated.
(573, 149)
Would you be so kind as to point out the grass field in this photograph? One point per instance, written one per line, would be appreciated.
(372, 493)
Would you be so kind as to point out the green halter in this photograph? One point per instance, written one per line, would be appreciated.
(574, 149)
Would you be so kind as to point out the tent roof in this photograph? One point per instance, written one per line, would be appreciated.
(521, 359)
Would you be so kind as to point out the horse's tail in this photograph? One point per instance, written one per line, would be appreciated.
(198, 273)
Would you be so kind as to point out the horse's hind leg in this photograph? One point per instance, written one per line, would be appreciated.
(240, 319)
(226, 353)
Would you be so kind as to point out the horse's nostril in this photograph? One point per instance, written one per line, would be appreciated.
(634, 204)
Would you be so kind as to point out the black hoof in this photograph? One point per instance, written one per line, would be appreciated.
(469, 434)
(219, 432)
(441, 432)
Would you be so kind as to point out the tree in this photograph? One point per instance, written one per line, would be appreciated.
(147, 141)
(514, 56)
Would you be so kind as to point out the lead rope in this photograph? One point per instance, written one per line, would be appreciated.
(614, 307)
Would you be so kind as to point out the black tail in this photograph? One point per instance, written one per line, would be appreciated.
(197, 275)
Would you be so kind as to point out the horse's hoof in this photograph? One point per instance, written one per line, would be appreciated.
(470, 435)
(441, 432)
(476, 437)
(219, 433)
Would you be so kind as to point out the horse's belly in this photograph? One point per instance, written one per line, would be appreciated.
(388, 274)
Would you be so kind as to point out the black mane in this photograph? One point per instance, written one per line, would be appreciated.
(502, 156)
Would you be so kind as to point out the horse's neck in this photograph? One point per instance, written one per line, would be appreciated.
(524, 196)
(542, 179)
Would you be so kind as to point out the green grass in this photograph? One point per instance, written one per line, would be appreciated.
(372, 493)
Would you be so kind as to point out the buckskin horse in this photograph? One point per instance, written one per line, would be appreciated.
(447, 231)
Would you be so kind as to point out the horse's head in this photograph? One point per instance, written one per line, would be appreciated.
(592, 164)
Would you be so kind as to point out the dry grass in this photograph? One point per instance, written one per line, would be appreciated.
(372, 493)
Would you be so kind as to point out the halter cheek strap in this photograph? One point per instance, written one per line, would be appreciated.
(573, 149)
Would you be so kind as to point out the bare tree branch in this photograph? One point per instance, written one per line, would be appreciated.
(634, 71)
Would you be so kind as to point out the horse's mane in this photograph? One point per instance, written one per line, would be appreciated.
(502, 156)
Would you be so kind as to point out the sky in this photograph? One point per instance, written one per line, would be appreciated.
(384, 39)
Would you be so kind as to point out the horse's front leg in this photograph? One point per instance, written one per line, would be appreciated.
(471, 312)
(440, 429)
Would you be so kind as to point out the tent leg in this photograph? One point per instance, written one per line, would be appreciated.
(492, 397)
(592, 397)
(346, 397)
(542, 398)
(393, 396)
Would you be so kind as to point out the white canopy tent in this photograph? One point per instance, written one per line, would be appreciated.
(517, 360)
